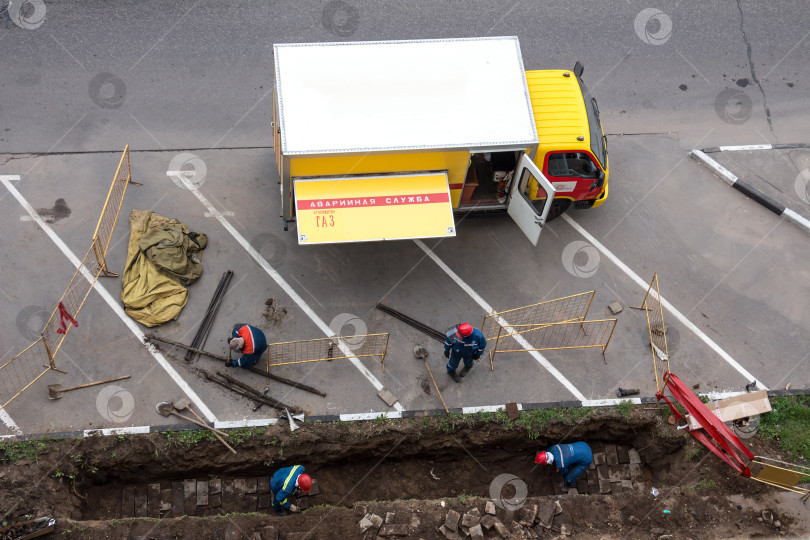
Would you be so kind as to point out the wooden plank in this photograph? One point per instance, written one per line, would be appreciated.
(153, 500)
(140, 501)
(190, 496)
(202, 493)
(177, 499)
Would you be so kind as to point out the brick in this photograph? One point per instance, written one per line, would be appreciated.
(528, 514)
(202, 493)
(415, 522)
(593, 489)
(215, 486)
(389, 518)
(365, 523)
(614, 475)
(153, 500)
(512, 411)
(190, 497)
(501, 529)
(615, 307)
(314, 490)
(376, 520)
(546, 513)
(611, 456)
(166, 501)
(387, 397)
(239, 486)
(264, 500)
(140, 501)
(214, 499)
(623, 453)
(602, 472)
(624, 471)
(599, 459)
(469, 519)
(487, 521)
(177, 499)
(248, 502)
(250, 485)
(229, 496)
(490, 508)
(592, 476)
(128, 502)
(448, 534)
(604, 486)
(394, 529)
(451, 521)
(263, 484)
(635, 457)
(635, 471)
(269, 532)
(627, 485)
(476, 533)
(582, 485)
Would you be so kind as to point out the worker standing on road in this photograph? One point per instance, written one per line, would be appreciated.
(571, 460)
(463, 342)
(286, 483)
(249, 341)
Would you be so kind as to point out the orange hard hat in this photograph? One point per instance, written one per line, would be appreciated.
(465, 329)
(304, 482)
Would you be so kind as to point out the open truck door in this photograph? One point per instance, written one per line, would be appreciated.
(530, 215)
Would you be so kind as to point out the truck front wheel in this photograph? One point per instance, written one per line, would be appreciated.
(558, 207)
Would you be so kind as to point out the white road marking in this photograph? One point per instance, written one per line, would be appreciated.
(482, 408)
(231, 424)
(225, 213)
(797, 219)
(746, 147)
(609, 402)
(369, 416)
(9, 422)
(281, 282)
(132, 325)
(726, 175)
(488, 309)
(46, 219)
(137, 430)
(669, 307)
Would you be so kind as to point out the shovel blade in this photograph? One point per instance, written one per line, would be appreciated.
(55, 391)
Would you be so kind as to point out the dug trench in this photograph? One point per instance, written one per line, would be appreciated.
(173, 484)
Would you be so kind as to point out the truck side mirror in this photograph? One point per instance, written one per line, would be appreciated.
(578, 69)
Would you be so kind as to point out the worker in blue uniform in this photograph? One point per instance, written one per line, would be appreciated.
(286, 483)
(463, 342)
(248, 340)
(571, 460)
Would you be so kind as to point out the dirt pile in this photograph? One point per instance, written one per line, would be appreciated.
(165, 485)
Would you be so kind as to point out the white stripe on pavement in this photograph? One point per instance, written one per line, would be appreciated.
(669, 307)
(280, 281)
(746, 147)
(132, 325)
(488, 309)
(9, 422)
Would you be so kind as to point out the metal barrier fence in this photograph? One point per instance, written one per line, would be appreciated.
(562, 335)
(569, 308)
(23, 370)
(110, 211)
(324, 349)
(658, 331)
(19, 373)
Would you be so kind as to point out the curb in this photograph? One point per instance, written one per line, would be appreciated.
(788, 146)
(360, 417)
(750, 191)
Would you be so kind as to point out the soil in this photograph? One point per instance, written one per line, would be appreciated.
(273, 314)
(418, 469)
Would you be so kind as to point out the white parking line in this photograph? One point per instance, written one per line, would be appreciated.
(9, 422)
(280, 281)
(184, 386)
(488, 309)
(669, 307)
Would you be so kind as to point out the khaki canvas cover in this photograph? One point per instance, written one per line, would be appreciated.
(161, 254)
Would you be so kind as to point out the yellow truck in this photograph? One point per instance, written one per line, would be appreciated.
(390, 140)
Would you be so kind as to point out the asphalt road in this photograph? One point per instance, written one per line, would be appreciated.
(197, 76)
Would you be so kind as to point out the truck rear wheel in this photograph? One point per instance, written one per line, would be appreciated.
(558, 207)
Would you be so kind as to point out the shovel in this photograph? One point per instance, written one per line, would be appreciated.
(421, 353)
(55, 391)
(166, 408)
(292, 419)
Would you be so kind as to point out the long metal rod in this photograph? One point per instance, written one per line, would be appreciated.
(422, 327)
(199, 337)
(256, 393)
(277, 378)
(213, 313)
(237, 390)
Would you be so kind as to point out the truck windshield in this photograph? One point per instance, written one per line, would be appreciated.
(598, 147)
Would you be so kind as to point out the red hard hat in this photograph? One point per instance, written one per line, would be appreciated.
(465, 329)
(304, 482)
(540, 458)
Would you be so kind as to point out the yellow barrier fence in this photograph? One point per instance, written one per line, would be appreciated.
(324, 349)
(658, 331)
(569, 308)
(110, 211)
(562, 335)
(19, 373)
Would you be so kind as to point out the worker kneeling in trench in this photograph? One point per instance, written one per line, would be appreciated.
(284, 484)
(571, 460)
